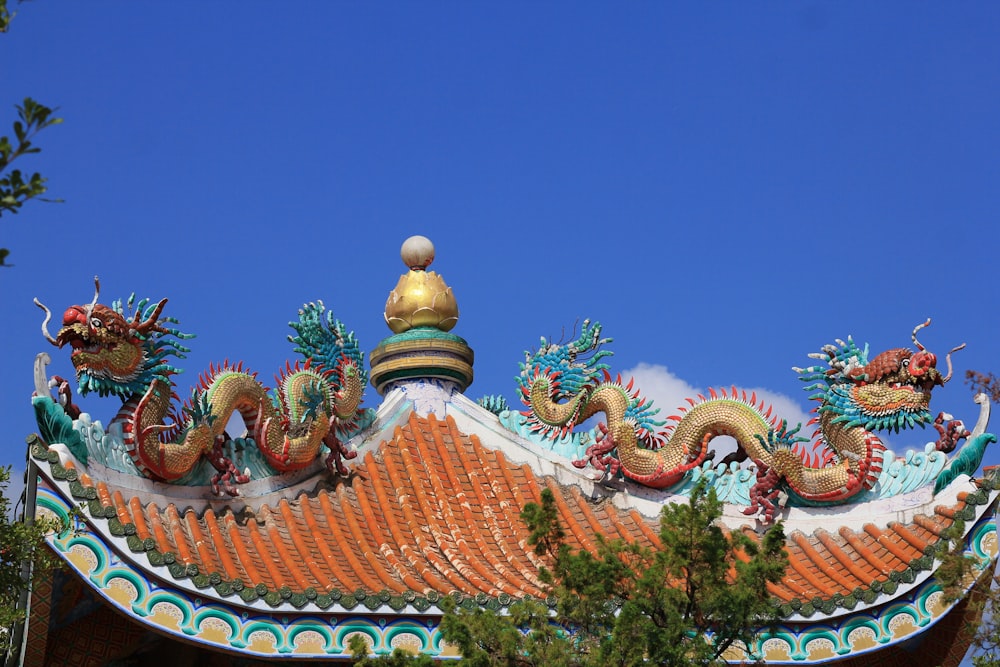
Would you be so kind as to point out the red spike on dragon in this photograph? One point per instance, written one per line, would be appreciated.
(562, 386)
(315, 403)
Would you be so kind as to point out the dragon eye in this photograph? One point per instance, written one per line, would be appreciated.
(96, 323)
(906, 363)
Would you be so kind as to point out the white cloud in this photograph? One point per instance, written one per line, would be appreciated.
(668, 392)
(786, 408)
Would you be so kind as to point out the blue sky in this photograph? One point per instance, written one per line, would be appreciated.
(724, 186)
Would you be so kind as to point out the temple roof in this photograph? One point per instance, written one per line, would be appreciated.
(431, 511)
(307, 550)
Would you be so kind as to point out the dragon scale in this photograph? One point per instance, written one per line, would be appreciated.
(228, 392)
(562, 387)
(313, 403)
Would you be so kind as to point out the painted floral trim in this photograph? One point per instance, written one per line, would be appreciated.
(349, 600)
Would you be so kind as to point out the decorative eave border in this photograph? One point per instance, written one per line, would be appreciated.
(873, 629)
(122, 537)
(218, 625)
(980, 508)
(290, 633)
(119, 539)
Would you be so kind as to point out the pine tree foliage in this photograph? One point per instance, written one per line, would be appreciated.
(702, 593)
(954, 575)
(956, 568)
(398, 658)
(20, 544)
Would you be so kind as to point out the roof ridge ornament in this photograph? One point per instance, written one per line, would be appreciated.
(420, 311)
(421, 298)
(126, 350)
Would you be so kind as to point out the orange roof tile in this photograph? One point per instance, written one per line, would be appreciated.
(431, 510)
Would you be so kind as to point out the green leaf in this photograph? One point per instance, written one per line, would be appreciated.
(33, 117)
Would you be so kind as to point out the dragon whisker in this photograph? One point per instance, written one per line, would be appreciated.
(914, 334)
(45, 323)
(948, 361)
(97, 292)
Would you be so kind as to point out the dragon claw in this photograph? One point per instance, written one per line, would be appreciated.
(950, 432)
(338, 453)
(64, 396)
(227, 477)
(766, 495)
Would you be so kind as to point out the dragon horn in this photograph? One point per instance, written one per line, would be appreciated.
(45, 323)
(150, 321)
(914, 334)
(948, 359)
(97, 291)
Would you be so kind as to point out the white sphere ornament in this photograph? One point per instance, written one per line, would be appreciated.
(417, 252)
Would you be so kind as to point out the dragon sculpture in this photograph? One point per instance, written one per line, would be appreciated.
(316, 401)
(565, 384)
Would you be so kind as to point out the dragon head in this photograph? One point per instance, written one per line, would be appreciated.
(113, 353)
(891, 391)
(573, 371)
(574, 366)
(333, 352)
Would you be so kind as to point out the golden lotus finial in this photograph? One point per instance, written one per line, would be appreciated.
(421, 297)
